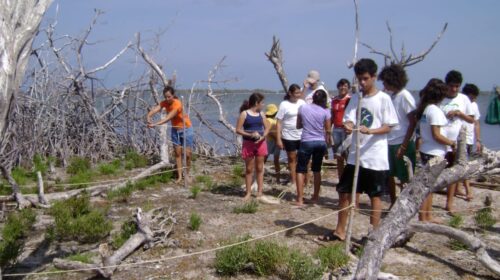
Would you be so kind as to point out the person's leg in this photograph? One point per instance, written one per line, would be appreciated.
(340, 165)
(317, 186)
(376, 211)
(300, 188)
(318, 152)
(259, 171)
(344, 201)
(249, 169)
(188, 162)
(424, 209)
(277, 167)
(450, 197)
(178, 162)
(392, 189)
(468, 190)
(292, 165)
(309, 175)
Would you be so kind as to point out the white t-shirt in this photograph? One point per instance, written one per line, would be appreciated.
(287, 114)
(309, 95)
(460, 102)
(470, 137)
(376, 110)
(404, 103)
(432, 115)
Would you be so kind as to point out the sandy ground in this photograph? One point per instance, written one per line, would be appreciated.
(424, 257)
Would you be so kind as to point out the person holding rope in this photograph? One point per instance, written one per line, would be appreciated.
(181, 128)
(253, 126)
(377, 117)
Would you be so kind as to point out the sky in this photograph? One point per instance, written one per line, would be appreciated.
(314, 34)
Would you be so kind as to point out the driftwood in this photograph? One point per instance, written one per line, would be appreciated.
(153, 228)
(275, 56)
(431, 178)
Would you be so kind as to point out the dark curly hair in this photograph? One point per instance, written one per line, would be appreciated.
(365, 65)
(394, 75)
(471, 89)
(453, 77)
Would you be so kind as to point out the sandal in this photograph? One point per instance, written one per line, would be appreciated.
(330, 237)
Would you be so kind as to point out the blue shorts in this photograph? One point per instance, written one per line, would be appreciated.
(178, 137)
(314, 149)
(339, 136)
(272, 148)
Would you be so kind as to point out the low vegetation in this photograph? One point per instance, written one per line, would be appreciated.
(134, 160)
(127, 229)
(267, 258)
(123, 194)
(195, 190)
(484, 218)
(332, 257)
(81, 257)
(206, 180)
(14, 231)
(456, 221)
(76, 219)
(194, 221)
(247, 208)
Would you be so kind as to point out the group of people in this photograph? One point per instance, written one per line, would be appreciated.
(392, 126)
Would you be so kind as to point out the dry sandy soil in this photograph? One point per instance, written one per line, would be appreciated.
(424, 257)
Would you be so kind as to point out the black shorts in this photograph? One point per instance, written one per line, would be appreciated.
(372, 182)
(291, 145)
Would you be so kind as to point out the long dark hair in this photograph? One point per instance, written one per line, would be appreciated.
(169, 89)
(255, 98)
(319, 98)
(433, 93)
(291, 88)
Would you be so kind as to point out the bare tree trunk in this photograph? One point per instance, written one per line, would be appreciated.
(431, 178)
(275, 56)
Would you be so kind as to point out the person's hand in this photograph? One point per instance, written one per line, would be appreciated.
(150, 125)
(279, 143)
(401, 151)
(348, 127)
(453, 113)
(479, 146)
(260, 139)
(328, 140)
(363, 129)
(255, 135)
(306, 84)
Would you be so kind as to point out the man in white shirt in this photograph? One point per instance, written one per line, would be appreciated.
(313, 83)
(457, 108)
(377, 117)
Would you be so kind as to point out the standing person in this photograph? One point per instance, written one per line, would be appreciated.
(377, 117)
(315, 121)
(401, 138)
(432, 121)
(180, 124)
(311, 84)
(458, 110)
(288, 135)
(272, 147)
(252, 125)
(473, 136)
(339, 104)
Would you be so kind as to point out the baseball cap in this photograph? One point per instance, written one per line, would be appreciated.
(313, 76)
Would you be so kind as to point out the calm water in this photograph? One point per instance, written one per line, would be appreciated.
(490, 134)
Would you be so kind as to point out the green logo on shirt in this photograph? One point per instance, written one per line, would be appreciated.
(366, 117)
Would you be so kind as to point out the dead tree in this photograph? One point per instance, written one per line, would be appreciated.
(404, 59)
(275, 56)
(153, 228)
(431, 178)
(19, 22)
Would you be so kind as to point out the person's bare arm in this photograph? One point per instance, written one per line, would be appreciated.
(328, 132)
(169, 116)
(279, 142)
(299, 122)
(156, 109)
(477, 133)
(381, 130)
(436, 134)
(409, 133)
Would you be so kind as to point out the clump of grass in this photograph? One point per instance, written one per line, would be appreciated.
(484, 218)
(230, 261)
(128, 228)
(80, 180)
(108, 168)
(40, 164)
(332, 257)
(456, 245)
(78, 165)
(238, 170)
(14, 230)
(268, 257)
(81, 257)
(76, 219)
(456, 221)
(300, 266)
(194, 221)
(135, 160)
(195, 190)
(121, 194)
(247, 208)
(205, 180)
(21, 175)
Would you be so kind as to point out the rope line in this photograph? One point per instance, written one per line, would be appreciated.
(184, 255)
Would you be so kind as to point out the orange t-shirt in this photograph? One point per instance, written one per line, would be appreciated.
(177, 120)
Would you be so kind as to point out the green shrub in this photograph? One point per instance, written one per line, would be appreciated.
(80, 180)
(135, 160)
(268, 257)
(332, 257)
(128, 229)
(233, 259)
(76, 219)
(238, 170)
(122, 194)
(484, 219)
(82, 257)
(78, 165)
(40, 164)
(301, 266)
(195, 190)
(456, 221)
(247, 208)
(15, 229)
(194, 221)
(108, 168)
(205, 180)
(21, 175)
(457, 245)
